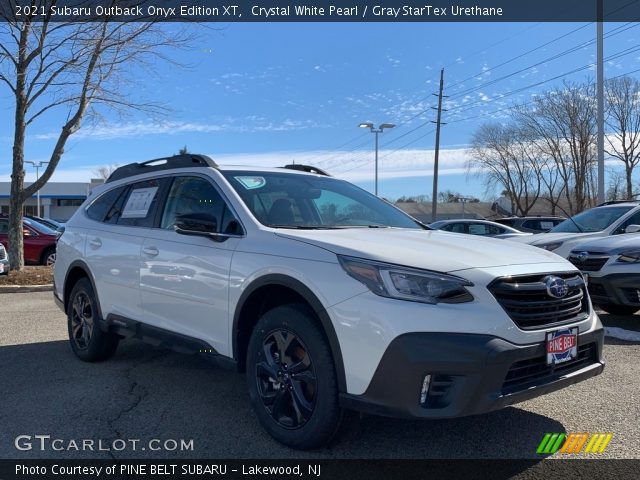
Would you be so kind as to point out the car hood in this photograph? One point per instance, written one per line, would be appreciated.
(613, 244)
(541, 238)
(426, 249)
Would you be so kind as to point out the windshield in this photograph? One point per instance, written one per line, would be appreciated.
(593, 220)
(289, 200)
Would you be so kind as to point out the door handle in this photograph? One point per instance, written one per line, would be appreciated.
(151, 251)
(96, 242)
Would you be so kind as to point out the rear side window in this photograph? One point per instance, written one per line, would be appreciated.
(141, 204)
(103, 208)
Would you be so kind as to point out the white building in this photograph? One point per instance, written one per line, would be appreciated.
(58, 200)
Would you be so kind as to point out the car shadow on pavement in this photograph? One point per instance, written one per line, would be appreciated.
(149, 393)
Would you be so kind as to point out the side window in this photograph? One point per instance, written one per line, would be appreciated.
(632, 220)
(455, 227)
(533, 224)
(105, 204)
(196, 195)
(141, 204)
(4, 227)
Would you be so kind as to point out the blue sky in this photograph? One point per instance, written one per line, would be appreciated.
(270, 93)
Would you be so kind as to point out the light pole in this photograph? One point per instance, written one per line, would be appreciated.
(375, 130)
(37, 165)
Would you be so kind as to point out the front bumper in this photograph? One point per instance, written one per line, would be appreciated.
(616, 288)
(470, 374)
(4, 267)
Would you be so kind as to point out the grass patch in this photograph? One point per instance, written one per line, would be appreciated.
(29, 276)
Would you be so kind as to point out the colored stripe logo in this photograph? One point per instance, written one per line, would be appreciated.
(574, 443)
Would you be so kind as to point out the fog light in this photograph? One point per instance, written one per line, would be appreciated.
(425, 390)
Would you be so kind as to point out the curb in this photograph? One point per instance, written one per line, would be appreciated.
(25, 288)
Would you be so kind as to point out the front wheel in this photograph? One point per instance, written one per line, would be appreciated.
(88, 341)
(292, 379)
(615, 309)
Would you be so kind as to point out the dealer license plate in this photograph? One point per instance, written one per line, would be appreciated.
(562, 345)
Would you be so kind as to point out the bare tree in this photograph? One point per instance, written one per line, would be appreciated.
(505, 158)
(72, 69)
(562, 124)
(622, 95)
(104, 172)
(617, 187)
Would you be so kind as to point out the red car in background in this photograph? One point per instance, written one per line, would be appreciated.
(39, 241)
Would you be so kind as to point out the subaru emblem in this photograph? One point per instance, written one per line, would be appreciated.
(556, 286)
(582, 256)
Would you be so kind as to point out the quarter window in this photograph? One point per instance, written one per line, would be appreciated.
(103, 209)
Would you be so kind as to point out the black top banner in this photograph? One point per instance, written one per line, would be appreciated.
(321, 11)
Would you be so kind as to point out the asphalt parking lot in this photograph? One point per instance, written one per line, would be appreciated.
(148, 393)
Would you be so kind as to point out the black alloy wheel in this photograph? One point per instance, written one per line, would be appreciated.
(82, 321)
(286, 379)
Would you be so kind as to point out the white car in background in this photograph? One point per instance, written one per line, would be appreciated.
(612, 268)
(611, 218)
(4, 261)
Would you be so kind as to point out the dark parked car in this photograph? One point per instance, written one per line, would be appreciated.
(48, 222)
(531, 224)
(483, 228)
(39, 241)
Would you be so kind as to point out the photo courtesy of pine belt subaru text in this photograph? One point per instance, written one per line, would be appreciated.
(329, 299)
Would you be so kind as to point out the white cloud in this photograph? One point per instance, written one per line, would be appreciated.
(136, 129)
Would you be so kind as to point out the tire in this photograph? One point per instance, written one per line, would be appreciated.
(49, 257)
(298, 409)
(616, 309)
(87, 339)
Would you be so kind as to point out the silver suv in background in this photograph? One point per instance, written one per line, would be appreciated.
(610, 218)
(611, 266)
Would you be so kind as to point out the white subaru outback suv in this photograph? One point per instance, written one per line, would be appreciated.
(330, 299)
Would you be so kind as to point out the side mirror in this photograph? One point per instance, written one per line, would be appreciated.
(202, 224)
(632, 229)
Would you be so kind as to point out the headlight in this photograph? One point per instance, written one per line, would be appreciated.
(404, 283)
(629, 257)
(550, 246)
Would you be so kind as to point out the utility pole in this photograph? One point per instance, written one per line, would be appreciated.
(434, 199)
(600, 95)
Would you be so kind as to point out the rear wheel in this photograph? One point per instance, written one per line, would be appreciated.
(618, 309)
(292, 380)
(88, 341)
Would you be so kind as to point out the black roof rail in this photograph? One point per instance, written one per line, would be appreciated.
(613, 202)
(166, 163)
(307, 168)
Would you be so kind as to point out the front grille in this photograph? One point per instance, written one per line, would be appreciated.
(596, 289)
(632, 294)
(592, 263)
(526, 301)
(535, 371)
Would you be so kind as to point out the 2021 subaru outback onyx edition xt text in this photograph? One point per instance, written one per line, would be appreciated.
(329, 298)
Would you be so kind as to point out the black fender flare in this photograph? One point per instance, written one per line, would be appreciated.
(84, 267)
(319, 309)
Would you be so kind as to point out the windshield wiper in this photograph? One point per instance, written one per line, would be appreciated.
(302, 227)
